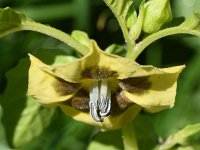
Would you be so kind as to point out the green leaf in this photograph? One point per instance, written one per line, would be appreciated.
(54, 57)
(77, 136)
(31, 124)
(111, 140)
(63, 133)
(192, 147)
(12, 21)
(20, 119)
(145, 132)
(3, 144)
(182, 137)
(187, 97)
(123, 11)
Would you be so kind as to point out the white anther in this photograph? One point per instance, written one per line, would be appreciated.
(100, 100)
(93, 104)
(105, 102)
(94, 113)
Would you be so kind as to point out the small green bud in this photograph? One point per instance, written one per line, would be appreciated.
(157, 13)
(131, 17)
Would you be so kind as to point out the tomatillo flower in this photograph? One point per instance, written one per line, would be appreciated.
(103, 89)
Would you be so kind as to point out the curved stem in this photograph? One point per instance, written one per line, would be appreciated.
(123, 27)
(165, 32)
(125, 32)
(55, 33)
(129, 138)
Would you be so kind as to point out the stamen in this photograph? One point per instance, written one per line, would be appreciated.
(94, 113)
(100, 100)
(105, 102)
(94, 98)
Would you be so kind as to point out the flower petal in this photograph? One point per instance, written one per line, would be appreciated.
(73, 72)
(109, 123)
(45, 87)
(161, 92)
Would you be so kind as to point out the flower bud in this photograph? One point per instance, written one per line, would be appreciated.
(157, 13)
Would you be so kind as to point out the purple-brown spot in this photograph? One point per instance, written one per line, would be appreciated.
(80, 101)
(96, 72)
(136, 85)
(63, 87)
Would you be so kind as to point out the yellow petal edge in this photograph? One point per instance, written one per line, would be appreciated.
(162, 92)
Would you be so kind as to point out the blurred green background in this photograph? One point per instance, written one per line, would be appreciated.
(93, 17)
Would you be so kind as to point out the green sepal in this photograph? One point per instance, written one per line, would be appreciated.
(136, 29)
(131, 17)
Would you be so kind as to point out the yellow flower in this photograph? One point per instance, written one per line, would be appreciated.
(103, 89)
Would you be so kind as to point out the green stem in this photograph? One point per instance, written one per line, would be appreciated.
(138, 49)
(125, 32)
(136, 29)
(129, 138)
(124, 29)
(55, 33)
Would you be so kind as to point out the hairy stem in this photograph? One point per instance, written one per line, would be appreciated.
(55, 33)
(138, 49)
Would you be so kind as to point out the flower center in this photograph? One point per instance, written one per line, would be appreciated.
(100, 100)
(94, 92)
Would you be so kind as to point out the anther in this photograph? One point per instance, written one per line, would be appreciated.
(94, 113)
(105, 102)
(100, 100)
(93, 104)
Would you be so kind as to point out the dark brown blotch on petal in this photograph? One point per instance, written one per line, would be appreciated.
(96, 72)
(119, 103)
(63, 87)
(136, 85)
(80, 101)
